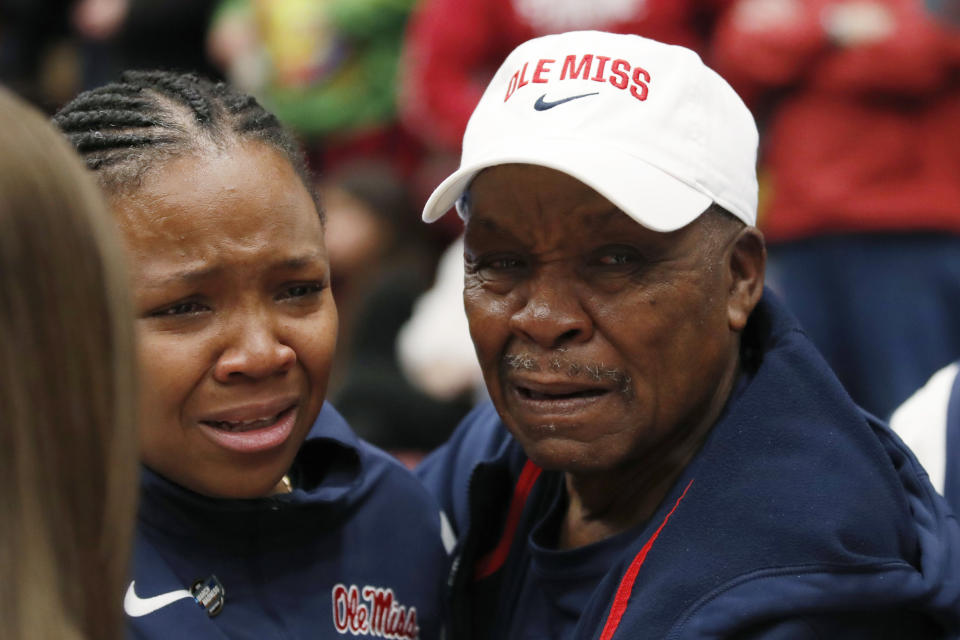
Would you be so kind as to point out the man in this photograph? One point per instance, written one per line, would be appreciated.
(666, 455)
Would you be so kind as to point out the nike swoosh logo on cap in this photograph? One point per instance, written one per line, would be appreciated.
(543, 105)
(135, 606)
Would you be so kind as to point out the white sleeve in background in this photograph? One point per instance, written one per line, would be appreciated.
(434, 347)
(921, 421)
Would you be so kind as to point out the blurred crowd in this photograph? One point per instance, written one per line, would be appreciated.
(858, 103)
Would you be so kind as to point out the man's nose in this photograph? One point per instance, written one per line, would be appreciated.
(253, 350)
(551, 314)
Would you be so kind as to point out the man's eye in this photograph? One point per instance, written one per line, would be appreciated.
(492, 263)
(301, 290)
(613, 259)
(179, 309)
(504, 263)
(499, 269)
(616, 257)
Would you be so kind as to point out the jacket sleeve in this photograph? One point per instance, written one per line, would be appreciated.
(446, 472)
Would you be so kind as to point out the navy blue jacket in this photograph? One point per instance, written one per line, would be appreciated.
(800, 517)
(355, 549)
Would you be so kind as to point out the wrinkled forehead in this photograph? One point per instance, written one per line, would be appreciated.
(541, 209)
(525, 189)
(521, 194)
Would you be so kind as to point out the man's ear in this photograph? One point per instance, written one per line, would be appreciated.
(747, 261)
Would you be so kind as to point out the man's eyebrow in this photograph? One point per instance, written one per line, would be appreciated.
(594, 219)
(608, 214)
(486, 224)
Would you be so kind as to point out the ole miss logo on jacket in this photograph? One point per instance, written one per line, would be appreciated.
(372, 611)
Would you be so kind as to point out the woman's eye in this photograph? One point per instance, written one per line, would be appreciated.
(179, 309)
(301, 290)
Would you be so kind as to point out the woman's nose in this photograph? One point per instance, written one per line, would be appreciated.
(253, 351)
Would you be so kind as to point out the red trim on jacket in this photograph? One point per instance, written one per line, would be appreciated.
(493, 561)
(619, 606)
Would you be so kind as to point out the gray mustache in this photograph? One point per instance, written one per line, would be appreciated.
(559, 363)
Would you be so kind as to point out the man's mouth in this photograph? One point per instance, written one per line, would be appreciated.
(540, 395)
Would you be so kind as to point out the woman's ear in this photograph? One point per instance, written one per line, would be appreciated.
(746, 261)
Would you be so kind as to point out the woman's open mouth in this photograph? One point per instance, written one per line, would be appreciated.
(252, 435)
(245, 425)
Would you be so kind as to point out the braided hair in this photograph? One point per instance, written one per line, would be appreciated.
(125, 128)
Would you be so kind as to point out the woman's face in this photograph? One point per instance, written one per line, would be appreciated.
(235, 318)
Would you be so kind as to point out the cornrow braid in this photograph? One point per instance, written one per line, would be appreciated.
(125, 128)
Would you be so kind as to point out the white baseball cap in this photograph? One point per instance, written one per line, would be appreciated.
(647, 125)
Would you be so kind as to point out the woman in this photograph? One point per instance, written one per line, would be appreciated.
(67, 453)
(257, 502)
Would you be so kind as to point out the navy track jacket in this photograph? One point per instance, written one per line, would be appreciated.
(801, 517)
(354, 551)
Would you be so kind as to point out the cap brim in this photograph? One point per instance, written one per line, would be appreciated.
(647, 194)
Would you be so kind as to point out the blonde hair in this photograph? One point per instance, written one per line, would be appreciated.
(68, 447)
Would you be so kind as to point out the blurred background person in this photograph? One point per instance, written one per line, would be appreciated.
(68, 452)
(32, 51)
(434, 346)
(374, 241)
(859, 103)
(327, 68)
(380, 264)
(52, 49)
(140, 34)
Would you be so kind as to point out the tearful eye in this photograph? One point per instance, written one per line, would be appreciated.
(616, 256)
(495, 271)
(179, 309)
(612, 259)
(504, 264)
(498, 269)
(301, 290)
(494, 262)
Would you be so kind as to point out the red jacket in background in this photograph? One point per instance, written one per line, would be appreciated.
(453, 47)
(856, 137)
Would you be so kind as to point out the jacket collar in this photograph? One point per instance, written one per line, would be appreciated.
(328, 473)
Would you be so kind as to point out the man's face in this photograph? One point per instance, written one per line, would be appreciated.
(599, 339)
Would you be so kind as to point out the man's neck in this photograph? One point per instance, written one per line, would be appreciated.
(604, 504)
